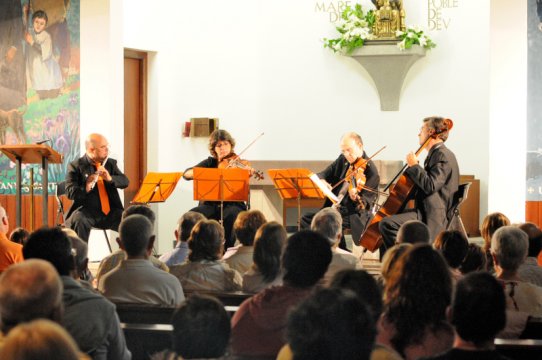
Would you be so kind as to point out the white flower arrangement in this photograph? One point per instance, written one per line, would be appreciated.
(355, 27)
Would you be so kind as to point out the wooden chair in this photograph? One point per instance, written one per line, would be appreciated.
(144, 340)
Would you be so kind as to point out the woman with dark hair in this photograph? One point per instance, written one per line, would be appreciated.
(268, 246)
(453, 245)
(221, 147)
(490, 224)
(416, 296)
(205, 269)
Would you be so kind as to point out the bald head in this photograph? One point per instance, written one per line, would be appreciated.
(97, 147)
(4, 223)
(29, 290)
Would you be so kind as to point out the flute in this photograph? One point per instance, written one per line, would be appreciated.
(97, 177)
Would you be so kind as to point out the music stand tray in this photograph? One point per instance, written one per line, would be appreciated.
(295, 184)
(156, 187)
(212, 184)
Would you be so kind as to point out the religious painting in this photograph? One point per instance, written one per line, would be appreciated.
(39, 83)
(534, 101)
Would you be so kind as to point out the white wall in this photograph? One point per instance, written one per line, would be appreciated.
(260, 66)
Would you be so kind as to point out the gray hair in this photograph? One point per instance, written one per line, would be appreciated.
(328, 222)
(509, 245)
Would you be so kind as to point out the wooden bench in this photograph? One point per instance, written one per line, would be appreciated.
(228, 298)
(144, 340)
(520, 349)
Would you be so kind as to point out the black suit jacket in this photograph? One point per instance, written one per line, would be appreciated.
(436, 184)
(78, 172)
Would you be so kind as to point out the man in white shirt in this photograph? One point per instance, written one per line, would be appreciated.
(328, 222)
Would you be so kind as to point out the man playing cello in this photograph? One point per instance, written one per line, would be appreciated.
(356, 201)
(434, 184)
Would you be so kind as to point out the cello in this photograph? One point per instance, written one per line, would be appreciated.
(399, 195)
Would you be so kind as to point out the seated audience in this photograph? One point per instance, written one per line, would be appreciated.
(478, 314)
(19, 235)
(475, 260)
(184, 226)
(112, 261)
(390, 259)
(453, 245)
(265, 272)
(89, 318)
(245, 226)
(413, 232)
(416, 296)
(39, 339)
(29, 290)
(509, 250)
(10, 252)
(81, 272)
(205, 270)
(201, 329)
(259, 325)
(136, 280)
(366, 288)
(490, 224)
(529, 270)
(340, 325)
(328, 222)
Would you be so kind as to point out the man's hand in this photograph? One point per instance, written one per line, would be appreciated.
(104, 174)
(353, 193)
(412, 159)
(91, 182)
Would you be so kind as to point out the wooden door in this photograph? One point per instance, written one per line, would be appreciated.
(135, 122)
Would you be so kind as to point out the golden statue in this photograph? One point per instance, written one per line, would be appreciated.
(389, 17)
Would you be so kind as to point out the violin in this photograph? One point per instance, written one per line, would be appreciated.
(234, 161)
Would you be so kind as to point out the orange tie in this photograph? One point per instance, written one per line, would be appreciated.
(104, 199)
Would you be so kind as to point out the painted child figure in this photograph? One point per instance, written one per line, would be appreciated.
(43, 68)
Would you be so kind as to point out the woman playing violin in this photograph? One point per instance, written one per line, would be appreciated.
(356, 199)
(221, 146)
(435, 183)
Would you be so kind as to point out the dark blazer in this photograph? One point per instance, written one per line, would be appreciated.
(78, 172)
(336, 171)
(436, 184)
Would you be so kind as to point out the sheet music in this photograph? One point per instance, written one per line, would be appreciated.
(327, 192)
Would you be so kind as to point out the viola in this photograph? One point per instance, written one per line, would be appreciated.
(234, 161)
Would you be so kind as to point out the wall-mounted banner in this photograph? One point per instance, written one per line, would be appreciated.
(39, 83)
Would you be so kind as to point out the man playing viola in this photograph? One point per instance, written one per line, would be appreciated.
(221, 146)
(356, 200)
(435, 184)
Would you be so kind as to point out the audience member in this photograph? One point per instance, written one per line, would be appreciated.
(259, 325)
(19, 235)
(179, 254)
(29, 290)
(265, 272)
(416, 296)
(10, 252)
(112, 261)
(509, 250)
(136, 280)
(328, 222)
(201, 328)
(529, 270)
(478, 314)
(413, 232)
(390, 259)
(490, 224)
(205, 270)
(82, 272)
(245, 226)
(453, 245)
(89, 318)
(340, 325)
(475, 260)
(39, 339)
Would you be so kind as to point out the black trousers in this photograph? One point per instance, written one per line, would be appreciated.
(83, 220)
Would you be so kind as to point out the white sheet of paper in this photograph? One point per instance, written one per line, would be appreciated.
(316, 180)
